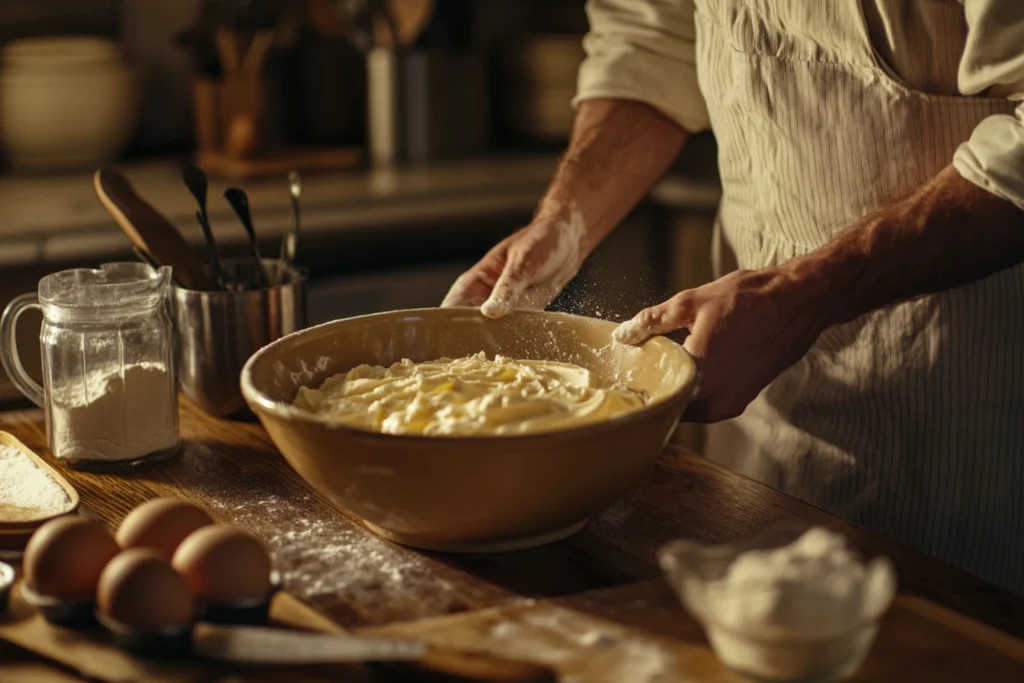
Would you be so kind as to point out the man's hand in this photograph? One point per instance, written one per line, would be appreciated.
(744, 330)
(524, 271)
(748, 327)
(618, 150)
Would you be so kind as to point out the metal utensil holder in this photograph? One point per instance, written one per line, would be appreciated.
(217, 332)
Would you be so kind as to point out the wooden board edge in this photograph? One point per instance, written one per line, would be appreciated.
(983, 634)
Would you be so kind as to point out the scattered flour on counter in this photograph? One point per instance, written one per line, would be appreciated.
(597, 649)
(115, 414)
(26, 490)
(324, 558)
(331, 562)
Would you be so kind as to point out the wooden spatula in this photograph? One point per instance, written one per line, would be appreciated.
(150, 231)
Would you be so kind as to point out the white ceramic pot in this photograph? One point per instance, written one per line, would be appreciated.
(65, 103)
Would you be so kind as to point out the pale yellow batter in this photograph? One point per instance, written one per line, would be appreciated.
(472, 395)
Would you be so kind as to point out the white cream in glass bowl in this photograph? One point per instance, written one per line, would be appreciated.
(789, 604)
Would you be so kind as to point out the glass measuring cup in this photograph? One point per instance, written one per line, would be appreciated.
(107, 342)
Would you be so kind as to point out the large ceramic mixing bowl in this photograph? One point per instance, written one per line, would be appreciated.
(476, 493)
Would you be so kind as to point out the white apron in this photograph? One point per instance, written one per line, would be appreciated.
(910, 420)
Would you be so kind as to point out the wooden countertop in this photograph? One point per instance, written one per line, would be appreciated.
(330, 560)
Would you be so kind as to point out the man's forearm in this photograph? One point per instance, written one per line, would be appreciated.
(619, 149)
(948, 233)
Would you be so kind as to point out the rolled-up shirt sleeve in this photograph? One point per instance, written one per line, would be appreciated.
(993, 65)
(644, 50)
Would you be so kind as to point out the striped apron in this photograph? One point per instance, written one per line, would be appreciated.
(910, 420)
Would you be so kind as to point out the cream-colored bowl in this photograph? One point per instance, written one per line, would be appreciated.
(65, 103)
(469, 494)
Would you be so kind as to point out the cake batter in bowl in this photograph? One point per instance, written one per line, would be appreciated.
(462, 492)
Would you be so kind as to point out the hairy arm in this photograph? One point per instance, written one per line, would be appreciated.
(749, 326)
(619, 148)
(947, 234)
(636, 94)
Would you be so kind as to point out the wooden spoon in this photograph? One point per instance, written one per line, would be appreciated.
(150, 231)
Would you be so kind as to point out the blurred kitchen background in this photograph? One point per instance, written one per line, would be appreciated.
(425, 130)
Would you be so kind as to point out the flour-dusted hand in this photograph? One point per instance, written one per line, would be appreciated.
(744, 330)
(526, 270)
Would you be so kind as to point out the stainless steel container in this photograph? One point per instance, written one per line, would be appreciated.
(426, 105)
(217, 332)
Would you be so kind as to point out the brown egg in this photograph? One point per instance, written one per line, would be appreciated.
(222, 563)
(161, 524)
(65, 556)
(141, 589)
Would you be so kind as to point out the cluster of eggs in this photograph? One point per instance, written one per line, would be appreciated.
(167, 558)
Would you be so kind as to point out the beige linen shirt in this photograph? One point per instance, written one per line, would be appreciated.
(645, 50)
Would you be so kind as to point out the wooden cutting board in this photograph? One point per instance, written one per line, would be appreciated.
(94, 655)
(640, 634)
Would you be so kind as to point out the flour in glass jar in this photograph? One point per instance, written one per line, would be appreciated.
(115, 414)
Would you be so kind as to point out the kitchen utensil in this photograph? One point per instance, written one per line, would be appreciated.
(240, 203)
(228, 51)
(424, 105)
(195, 180)
(218, 331)
(66, 102)
(93, 654)
(250, 645)
(385, 31)
(15, 534)
(256, 53)
(147, 259)
(150, 231)
(104, 330)
(409, 18)
(289, 242)
(438, 492)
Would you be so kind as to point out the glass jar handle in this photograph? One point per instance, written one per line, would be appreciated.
(9, 348)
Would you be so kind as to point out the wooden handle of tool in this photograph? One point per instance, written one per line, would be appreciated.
(150, 231)
(481, 667)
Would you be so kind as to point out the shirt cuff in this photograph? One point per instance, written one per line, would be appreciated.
(993, 158)
(624, 72)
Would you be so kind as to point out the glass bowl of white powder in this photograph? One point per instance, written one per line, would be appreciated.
(789, 604)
